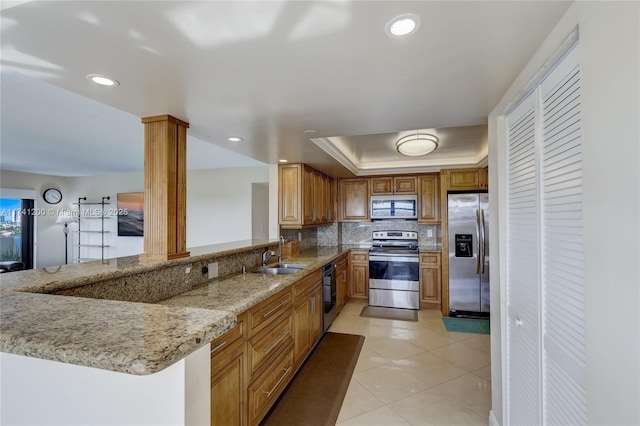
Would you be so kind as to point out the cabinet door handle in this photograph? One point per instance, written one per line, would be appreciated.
(266, 314)
(284, 334)
(344, 275)
(219, 346)
(314, 214)
(286, 371)
(313, 305)
(329, 214)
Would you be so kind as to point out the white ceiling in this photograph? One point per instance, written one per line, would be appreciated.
(264, 71)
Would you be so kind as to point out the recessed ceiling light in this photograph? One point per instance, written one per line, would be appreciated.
(234, 139)
(283, 160)
(403, 25)
(309, 131)
(103, 80)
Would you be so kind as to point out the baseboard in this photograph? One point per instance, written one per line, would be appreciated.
(492, 419)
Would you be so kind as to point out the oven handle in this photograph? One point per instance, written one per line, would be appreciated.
(393, 258)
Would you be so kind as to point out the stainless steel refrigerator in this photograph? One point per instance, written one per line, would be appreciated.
(468, 234)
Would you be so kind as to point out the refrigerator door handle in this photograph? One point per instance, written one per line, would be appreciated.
(478, 242)
(482, 263)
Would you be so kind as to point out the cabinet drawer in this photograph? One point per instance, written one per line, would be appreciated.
(266, 344)
(305, 286)
(265, 312)
(359, 257)
(430, 258)
(227, 338)
(267, 388)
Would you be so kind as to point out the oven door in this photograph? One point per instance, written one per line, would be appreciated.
(394, 281)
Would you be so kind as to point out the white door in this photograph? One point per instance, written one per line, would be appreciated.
(523, 277)
(545, 326)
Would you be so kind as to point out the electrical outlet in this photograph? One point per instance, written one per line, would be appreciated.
(187, 270)
(213, 270)
(429, 233)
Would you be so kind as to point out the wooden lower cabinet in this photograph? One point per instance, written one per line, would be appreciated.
(229, 379)
(307, 317)
(254, 362)
(264, 346)
(430, 280)
(359, 274)
(265, 389)
(342, 281)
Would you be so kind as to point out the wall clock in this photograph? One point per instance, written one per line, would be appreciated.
(52, 196)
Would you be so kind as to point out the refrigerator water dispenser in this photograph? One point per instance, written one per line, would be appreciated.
(464, 245)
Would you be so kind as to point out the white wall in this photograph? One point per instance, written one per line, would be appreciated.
(219, 204)
(610, 61)
(42, 392)
(260, 211)
(219, 207)
(96, 187)
(49, 244)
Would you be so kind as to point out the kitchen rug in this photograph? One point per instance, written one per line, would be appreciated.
(466, 325)
(315, 395)
(389, 313)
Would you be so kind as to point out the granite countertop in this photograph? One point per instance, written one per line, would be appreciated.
(128, 337)
(238, 293)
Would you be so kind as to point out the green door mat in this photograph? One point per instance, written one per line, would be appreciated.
(466, 325)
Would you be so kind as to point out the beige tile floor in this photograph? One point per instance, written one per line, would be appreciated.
(415, 373)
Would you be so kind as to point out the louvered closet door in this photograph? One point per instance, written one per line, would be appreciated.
(564, 395)
(523, 283)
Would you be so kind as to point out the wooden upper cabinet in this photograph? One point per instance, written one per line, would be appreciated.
(382, 185)
(484, 177)
(308, 183)
(385, 185)
(305, 197)
(290, 194)
(354, 200)
(405, 185)
(429, 199)
(465, 179)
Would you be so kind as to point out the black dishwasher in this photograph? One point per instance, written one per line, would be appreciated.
(329, 294)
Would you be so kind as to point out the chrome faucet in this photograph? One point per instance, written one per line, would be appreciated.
(267, 255)
(280, 246)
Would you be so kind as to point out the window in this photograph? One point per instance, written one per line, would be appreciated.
(16, 233)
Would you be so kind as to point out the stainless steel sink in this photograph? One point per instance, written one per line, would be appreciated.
(276, 271)
(291, 265)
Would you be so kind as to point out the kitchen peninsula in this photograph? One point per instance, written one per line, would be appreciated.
(144, 328)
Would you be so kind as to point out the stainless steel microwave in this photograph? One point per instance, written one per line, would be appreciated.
(394, 207)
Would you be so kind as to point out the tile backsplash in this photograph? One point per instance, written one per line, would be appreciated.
(360, 233)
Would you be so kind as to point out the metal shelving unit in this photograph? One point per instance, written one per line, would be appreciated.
(89, 243)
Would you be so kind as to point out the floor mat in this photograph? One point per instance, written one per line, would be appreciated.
(389, 313)
(315, 395)
(466, 325)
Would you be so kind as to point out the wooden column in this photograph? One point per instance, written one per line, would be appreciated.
(165, 188)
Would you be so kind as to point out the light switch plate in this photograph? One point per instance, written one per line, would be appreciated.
(213, 270)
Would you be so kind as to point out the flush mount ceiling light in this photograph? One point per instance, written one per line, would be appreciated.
(234, 139)
(417, 145)
(283, 161)
(103, 80)
(403, 25)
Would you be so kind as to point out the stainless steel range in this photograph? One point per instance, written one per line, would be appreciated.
(394, 273)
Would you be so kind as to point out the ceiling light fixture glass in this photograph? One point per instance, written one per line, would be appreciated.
(234, 139)
(283, 161)
(103, 80)
(403, 25)
(417, 145)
